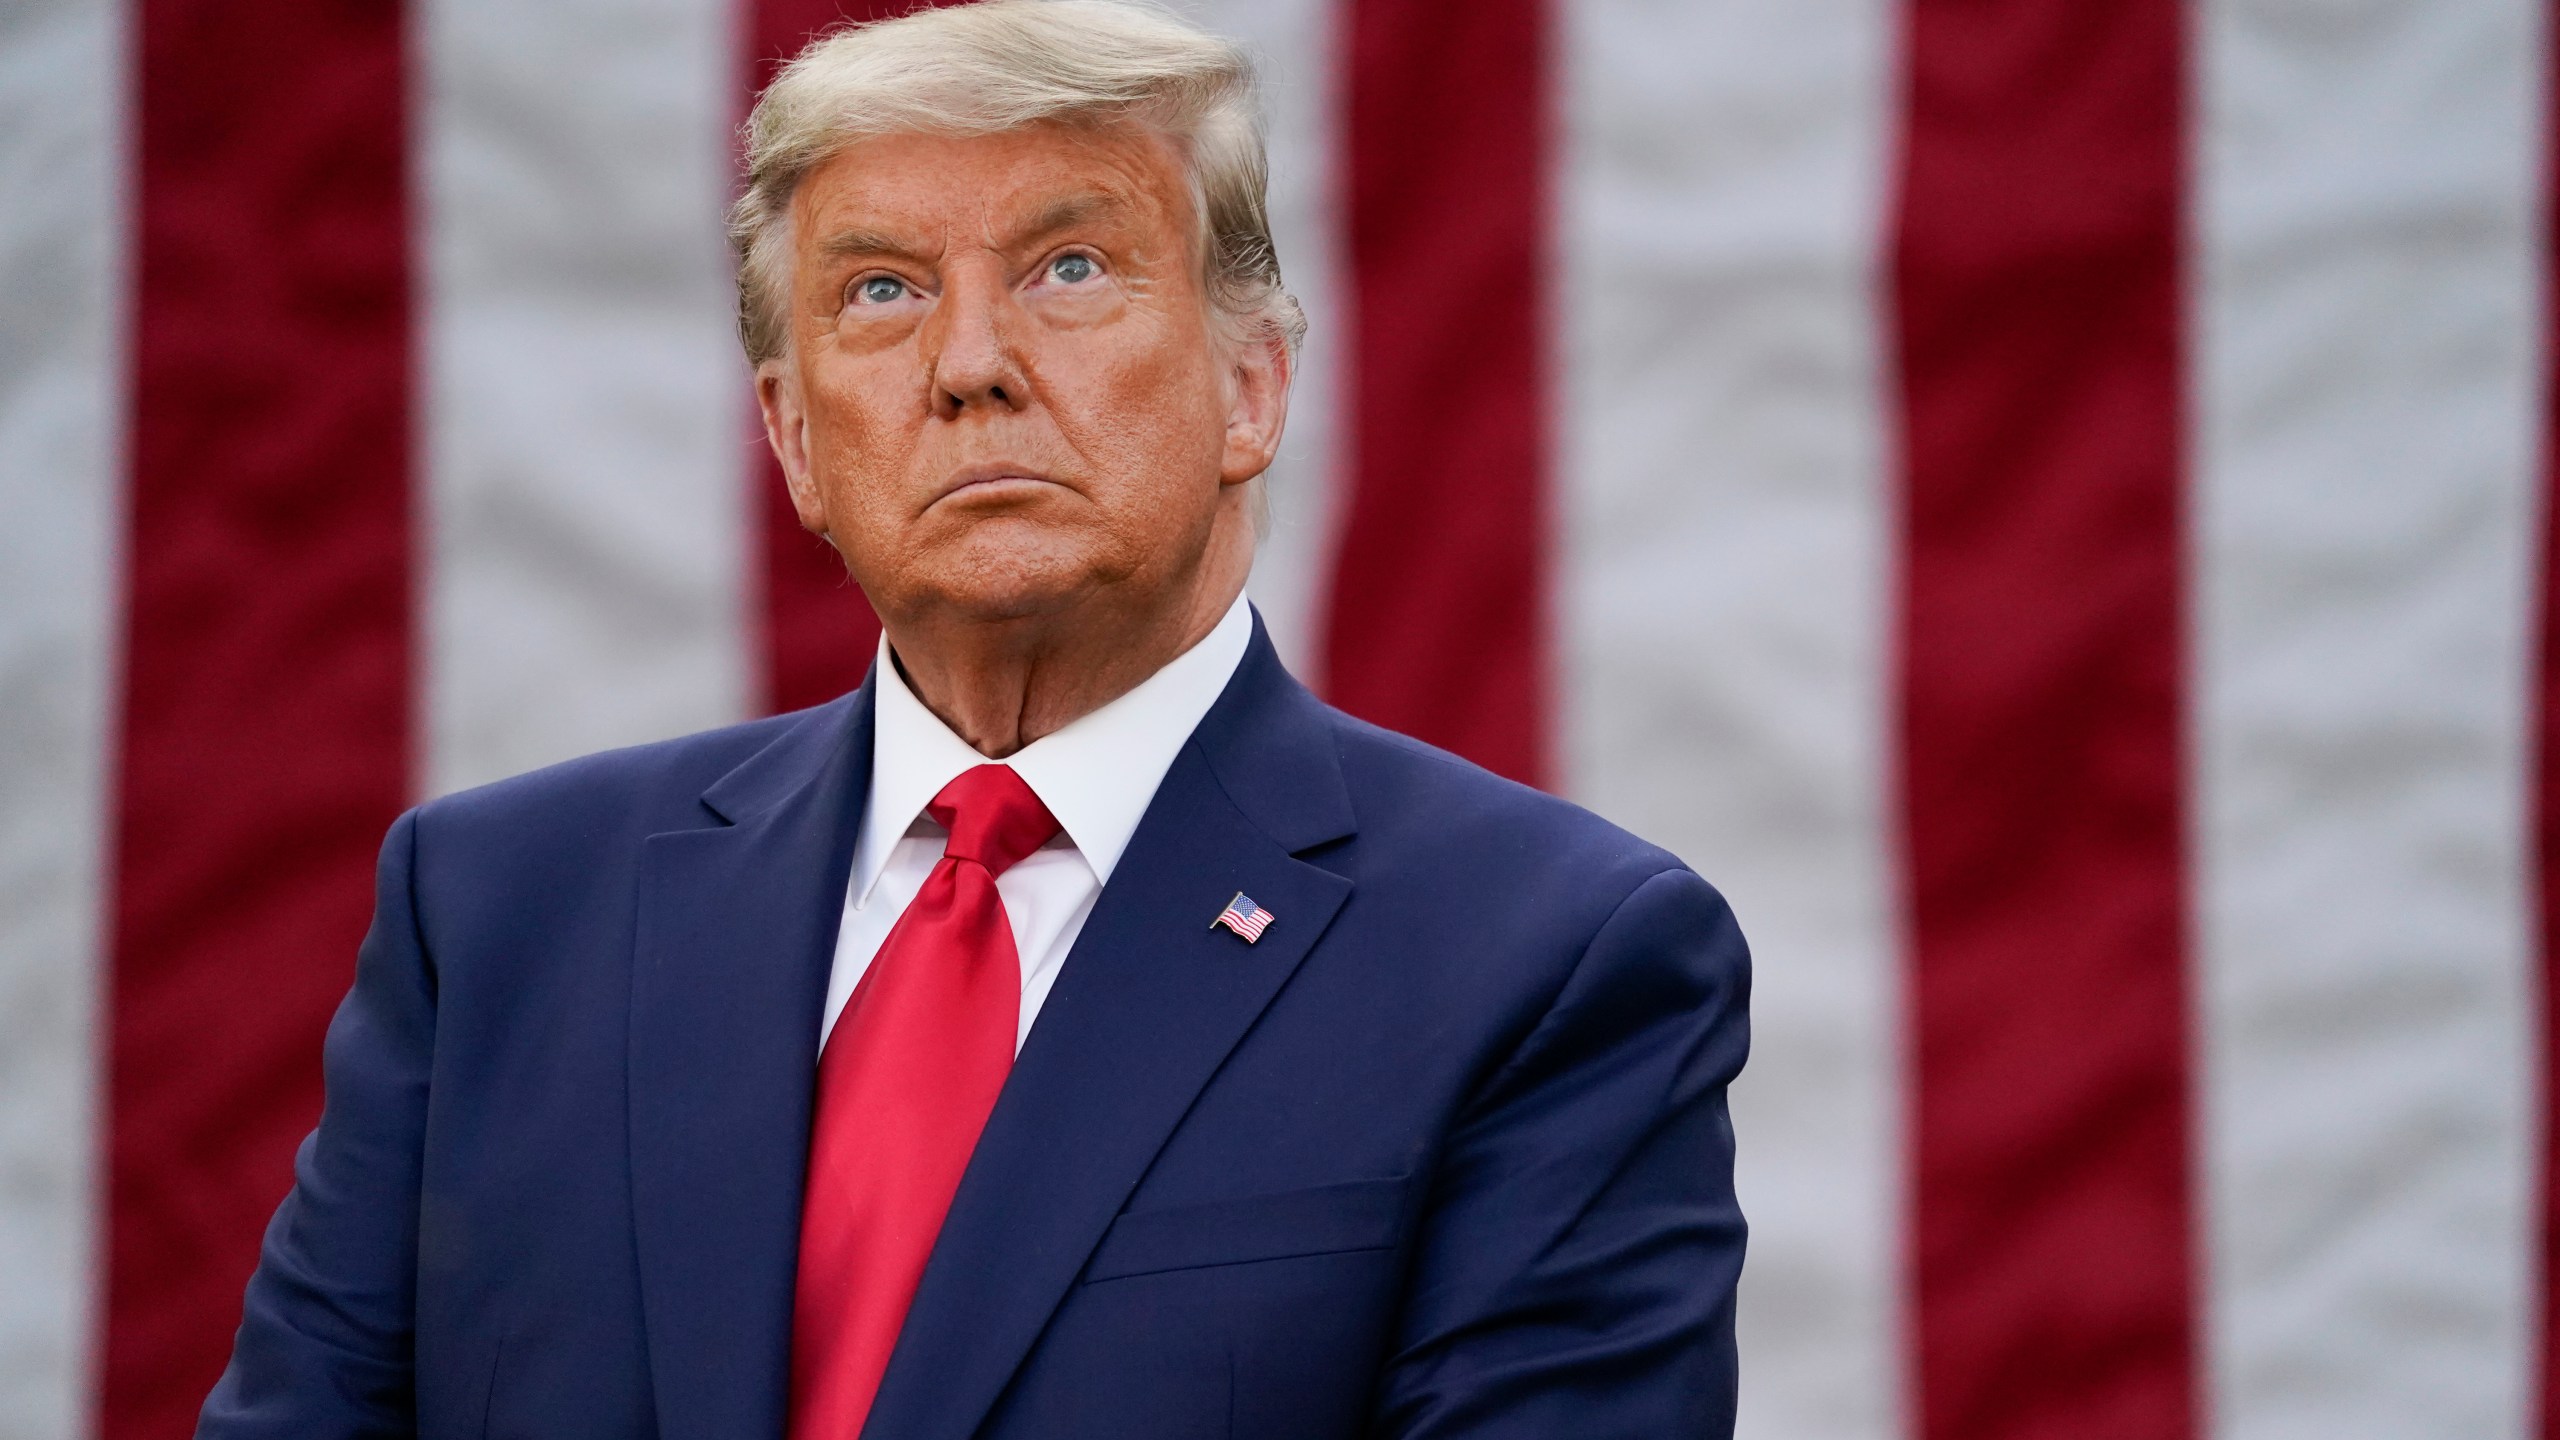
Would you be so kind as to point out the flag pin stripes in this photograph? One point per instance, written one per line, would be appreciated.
(1243, 917)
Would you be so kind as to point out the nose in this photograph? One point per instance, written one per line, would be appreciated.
(969, 346)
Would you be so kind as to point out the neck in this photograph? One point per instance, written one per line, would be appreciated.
(1000, 685)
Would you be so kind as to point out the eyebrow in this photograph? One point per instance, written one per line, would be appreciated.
(1064, 213)
(867, 242)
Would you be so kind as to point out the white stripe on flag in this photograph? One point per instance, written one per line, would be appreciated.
(585, 407)
(62, 81)
(2366, 414)
(1294, 42)
(1723, 603)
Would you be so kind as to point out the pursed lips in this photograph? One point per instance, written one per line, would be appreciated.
(979, 476)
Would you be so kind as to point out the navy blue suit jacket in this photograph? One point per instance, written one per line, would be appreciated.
(1445, 1154)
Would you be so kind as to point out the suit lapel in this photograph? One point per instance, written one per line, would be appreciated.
(1149, 1004)
(737, 928)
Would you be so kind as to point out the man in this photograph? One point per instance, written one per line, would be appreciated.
(1078, 1030)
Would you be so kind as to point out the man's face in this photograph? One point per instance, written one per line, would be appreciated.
(1004, 392)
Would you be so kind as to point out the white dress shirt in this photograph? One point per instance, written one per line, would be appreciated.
(1097, 775)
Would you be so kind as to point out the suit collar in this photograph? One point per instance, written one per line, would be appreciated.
(1271, 746)
(1099, 773)
(799, 758)
(1268, 740)
(1096, 775)
(1147, 1008)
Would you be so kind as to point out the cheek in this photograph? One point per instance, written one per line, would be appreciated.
(861, 422)
(1157, 412)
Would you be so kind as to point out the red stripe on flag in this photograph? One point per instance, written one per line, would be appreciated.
(2037, 284)
(819, 632)
(1437, 623)
(265, 739)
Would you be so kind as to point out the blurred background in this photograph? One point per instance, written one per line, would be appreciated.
(2041, 500)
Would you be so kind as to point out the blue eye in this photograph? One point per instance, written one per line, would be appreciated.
(880, 289)
(1073, 269)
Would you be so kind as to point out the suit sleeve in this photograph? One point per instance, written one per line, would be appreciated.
(324, 1347)
(1576, 1258)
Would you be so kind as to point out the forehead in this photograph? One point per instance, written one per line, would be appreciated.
(920, 187)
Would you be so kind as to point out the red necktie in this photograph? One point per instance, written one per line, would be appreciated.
(904, 1086)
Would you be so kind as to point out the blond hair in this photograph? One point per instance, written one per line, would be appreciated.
(1001, 65)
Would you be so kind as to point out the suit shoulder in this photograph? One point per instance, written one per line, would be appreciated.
(1409, 793)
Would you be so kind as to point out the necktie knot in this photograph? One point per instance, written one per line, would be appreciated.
(993, 817)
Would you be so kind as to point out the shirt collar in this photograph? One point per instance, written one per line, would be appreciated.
(1097, 774)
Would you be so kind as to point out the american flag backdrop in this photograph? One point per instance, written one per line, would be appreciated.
(2041, 500)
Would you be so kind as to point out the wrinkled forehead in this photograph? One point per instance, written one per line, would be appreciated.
(918, 194)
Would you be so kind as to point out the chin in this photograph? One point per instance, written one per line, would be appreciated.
(997, 604)
(996, 583)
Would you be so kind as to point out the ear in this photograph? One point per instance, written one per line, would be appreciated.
(786, 429)
(1257, 408)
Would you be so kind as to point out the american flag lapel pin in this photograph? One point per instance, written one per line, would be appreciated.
(1243, 917)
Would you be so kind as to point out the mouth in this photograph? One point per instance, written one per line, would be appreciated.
(990, 479)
